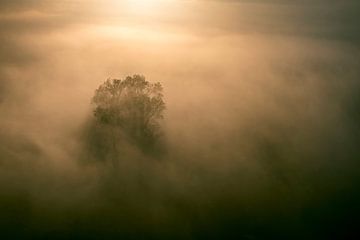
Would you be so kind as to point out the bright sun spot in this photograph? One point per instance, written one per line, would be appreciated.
(146, 6)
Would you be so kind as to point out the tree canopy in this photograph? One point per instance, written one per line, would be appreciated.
(133, 105)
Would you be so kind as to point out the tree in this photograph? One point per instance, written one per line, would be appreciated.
(132, 105)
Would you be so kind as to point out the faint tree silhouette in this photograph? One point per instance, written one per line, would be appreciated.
(132, 106)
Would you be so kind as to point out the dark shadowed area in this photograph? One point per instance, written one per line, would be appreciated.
(259, 138)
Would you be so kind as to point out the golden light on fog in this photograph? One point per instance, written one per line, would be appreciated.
(259, 138)
(146, 6)
(143, 3)
(137, 20)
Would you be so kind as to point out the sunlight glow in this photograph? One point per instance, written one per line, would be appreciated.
(146, 6)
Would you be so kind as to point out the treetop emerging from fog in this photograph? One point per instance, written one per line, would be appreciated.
(132, 104)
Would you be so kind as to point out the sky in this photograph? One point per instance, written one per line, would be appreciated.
(261, 125)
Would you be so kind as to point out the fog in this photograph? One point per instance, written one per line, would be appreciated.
(261, 127)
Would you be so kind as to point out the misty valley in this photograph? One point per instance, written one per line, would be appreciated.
(171, 119)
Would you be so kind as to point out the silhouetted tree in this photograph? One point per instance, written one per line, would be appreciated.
(132, 105)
